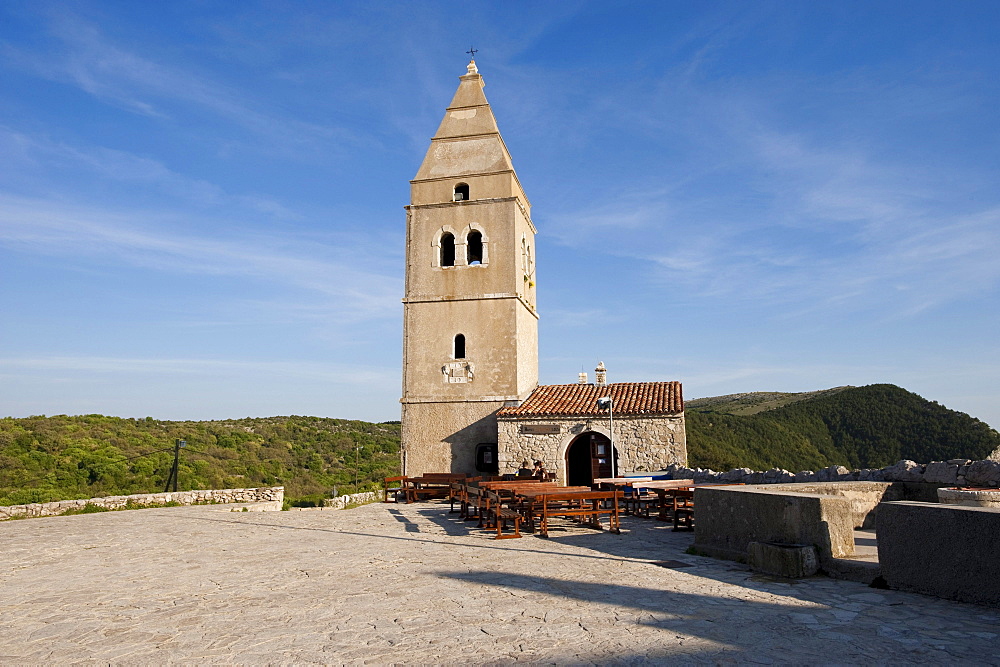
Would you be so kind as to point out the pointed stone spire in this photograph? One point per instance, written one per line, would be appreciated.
(467, 147)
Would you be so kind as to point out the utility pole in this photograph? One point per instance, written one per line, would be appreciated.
(173, 469)
(357, 452)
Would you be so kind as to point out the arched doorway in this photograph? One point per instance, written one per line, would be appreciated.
(587, 458)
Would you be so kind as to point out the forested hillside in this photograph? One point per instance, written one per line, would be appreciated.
(58, 458)
(858, 427)
(753, 402)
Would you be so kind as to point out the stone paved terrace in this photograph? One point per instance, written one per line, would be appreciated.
(412, 584)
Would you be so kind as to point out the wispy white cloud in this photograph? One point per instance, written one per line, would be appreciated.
(794, 217)
(87, 59)
(338, 373)
(81, 232)
(39, 162)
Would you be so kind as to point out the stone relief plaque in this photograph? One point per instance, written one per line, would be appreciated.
(458, 372)
(540, 429)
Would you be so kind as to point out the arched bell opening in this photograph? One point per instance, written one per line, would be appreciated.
(448, 250)
(474, 248)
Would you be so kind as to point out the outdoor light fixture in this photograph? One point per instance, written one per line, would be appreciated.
(605, 403)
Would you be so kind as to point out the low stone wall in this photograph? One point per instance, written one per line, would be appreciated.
(731, 517)
(949, 551)
(971, 497)
(272, 495)
(342, 502)
(956, 472)
(862, 498)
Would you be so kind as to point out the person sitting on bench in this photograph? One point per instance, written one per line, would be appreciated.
(524, 470)
(539, 472)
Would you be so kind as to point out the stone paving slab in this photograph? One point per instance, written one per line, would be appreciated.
(412, 584)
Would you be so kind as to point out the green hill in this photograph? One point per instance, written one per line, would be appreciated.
(58, 458)
(858, 427)
(61, 457)
(753, 402)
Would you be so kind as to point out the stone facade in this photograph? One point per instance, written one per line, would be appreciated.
(470, 326)
(643, 443)
(273, 496)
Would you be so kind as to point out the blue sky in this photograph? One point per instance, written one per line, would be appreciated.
(201, 203)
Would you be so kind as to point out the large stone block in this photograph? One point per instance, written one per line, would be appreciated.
(940, 472)
(730, 518)
(904, 471)
(784, 560)
(970, 497)
(949, 551)
(983, 473)
(832, 474)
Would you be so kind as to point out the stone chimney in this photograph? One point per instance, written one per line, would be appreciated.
(600, 374)
(582, 379)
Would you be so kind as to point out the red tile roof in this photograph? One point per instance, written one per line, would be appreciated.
(628, 398)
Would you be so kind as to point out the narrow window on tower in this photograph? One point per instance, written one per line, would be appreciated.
(462, 192)
(474, 248)
(448, 250)
(460, 346)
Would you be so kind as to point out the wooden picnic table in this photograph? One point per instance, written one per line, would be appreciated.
(501, 483)
(532, 494)
(621, 481)
(577, 504)
(678, 502)
(500, 491)
(666, 484)
(630, 485)
(528, 499)
(638, 501)
(430, 485)
(667, 497)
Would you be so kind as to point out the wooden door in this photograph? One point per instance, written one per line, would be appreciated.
(600, 456)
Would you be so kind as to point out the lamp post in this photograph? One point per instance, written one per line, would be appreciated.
(605, 403)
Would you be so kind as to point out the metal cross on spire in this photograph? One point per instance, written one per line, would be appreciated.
(472, 53)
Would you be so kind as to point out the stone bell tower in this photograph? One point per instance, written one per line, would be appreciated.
(470, 327)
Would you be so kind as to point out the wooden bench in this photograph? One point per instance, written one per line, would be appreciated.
(683, 509)
(472, 503)
(681, 506)
(459, 493)
(527, 499)
(386, 488)
(499, 515)
(580, 505)
(431, 485)
(505, 514)
(636, 499)
(638, 502)
(495, 493)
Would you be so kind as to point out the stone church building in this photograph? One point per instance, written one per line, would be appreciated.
(471, 400)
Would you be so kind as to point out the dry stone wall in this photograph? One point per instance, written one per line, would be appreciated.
(959, 472)
(274, 495)
(343, 502)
